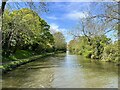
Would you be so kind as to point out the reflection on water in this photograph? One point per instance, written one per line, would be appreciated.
(63, 71)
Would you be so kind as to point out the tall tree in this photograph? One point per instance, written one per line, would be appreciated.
(24, 29)
(60, 43)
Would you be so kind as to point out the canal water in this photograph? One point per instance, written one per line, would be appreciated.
(63, 71)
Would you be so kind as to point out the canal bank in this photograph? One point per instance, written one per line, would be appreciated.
(18, 62)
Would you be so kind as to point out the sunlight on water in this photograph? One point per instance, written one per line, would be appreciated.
(67, 52)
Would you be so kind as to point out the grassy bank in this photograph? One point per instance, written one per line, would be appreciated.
(20, 58)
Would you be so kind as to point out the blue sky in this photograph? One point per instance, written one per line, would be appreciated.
(63, 16)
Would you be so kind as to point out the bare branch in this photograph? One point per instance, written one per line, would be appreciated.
(106, 16)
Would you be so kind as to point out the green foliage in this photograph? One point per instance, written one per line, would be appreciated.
(111, 53)
(59, 40)
(25, 34)
(20, 54)
(10, 66)
(25, 30)
(88, 54)
(99, 47)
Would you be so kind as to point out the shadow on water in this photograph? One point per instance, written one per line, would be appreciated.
(63, 71)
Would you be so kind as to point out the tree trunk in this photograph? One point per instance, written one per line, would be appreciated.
(3, 7)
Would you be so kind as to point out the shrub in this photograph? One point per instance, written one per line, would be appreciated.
(110, 53)
(88, 54)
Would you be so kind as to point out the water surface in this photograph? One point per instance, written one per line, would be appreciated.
(63, 71)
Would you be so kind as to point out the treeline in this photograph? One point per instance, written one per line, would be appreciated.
(25, 33)
(91, 34)
(98, 48)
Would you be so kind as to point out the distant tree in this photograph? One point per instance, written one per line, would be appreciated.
(60, 43)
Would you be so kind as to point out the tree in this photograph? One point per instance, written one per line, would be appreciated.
(24, 29)
(2, 7)
(32, 5)
(100, 23)
(60, 43)
(111, 15)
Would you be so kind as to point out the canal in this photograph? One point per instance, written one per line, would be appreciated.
(63, 71)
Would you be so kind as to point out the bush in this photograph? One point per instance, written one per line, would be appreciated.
(88, 54)
(110, 53)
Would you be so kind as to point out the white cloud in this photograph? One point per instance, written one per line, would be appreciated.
(76, 15)
(52, 17)
(55, 28)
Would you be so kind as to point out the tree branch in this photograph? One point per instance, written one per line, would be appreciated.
(106, 16)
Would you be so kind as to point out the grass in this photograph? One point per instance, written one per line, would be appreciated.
(20, 54)
(19, 58)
